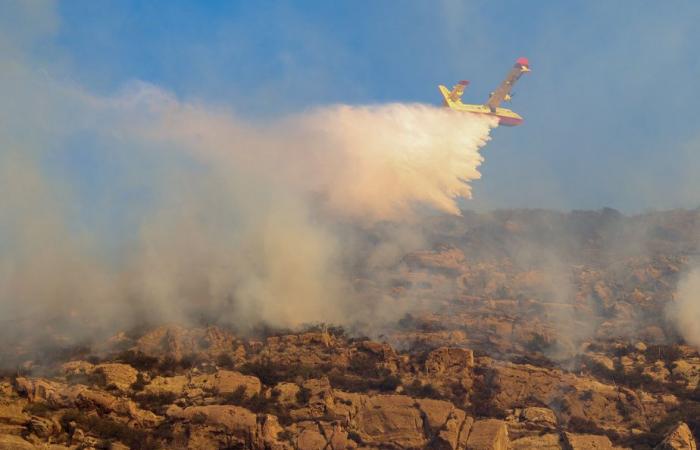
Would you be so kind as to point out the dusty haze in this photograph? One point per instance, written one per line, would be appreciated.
(208, 215)
(685, 311)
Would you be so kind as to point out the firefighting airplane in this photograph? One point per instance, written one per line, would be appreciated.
(453, 98)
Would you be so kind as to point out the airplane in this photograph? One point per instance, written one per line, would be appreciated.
(453, 98)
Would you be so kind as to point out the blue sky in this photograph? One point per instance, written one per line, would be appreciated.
(611, 106)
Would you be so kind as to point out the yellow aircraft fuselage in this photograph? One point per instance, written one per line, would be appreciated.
(504, 115)
(453, 98)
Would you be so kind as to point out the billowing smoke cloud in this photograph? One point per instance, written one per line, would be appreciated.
(143, 207)
(370, 163)
(685, 311)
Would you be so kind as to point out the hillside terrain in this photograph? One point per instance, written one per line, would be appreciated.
(519, 329)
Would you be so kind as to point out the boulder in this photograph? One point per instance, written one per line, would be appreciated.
(657, 371)
(688, 371)
(346, 404)
(488, 434)
(270, 429)
(118, 446)
(226, 382)
(233, 418)
(44, 427)
(627, 364)
(167, 385)
(339, 439)
(449, 360)
(41, 390)
(584, 397)
(390, 420)
(311, 439)
(454, 433)
(320, 396)
(550, 441)
(58, 395)
(436, 412)
(11, 412)
(77, 368)
(121, 376)
(12, 442)
(176, 341)
(539, 416)
(679, 438)
(600, 359)
(587, 442)
(286, 393)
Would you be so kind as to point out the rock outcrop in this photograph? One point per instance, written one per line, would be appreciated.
(523, 329)
(679, 438)
(489, 434)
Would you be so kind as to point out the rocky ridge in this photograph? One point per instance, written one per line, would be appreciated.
(527, 330)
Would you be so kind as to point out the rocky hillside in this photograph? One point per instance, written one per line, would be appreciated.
(523, 330)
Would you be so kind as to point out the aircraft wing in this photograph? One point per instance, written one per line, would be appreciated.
(503, 91)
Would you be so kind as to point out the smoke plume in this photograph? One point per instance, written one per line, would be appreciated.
(142, 206)
(685, 311)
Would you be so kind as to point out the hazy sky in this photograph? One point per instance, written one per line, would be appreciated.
(611, 105)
